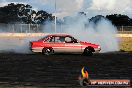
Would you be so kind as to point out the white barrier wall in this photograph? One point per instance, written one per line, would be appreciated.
(124, 35)
(22, 34)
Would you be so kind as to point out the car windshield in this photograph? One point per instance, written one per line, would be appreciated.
(43, 37)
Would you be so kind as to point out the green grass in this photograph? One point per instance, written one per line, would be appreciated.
(126, 46)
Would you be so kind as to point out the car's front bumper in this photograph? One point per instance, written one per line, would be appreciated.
(97, 50)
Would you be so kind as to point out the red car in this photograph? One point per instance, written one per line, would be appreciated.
(63, 43)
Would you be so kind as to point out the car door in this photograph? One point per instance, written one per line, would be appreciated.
(72, 46)
(59, 44)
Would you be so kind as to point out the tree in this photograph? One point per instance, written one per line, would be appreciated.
(120, 20)
(96, 18)
(21, 13)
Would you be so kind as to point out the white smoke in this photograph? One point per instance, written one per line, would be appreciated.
(102, 33)
(16, 44)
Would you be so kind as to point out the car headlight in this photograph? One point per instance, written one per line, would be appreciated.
(99, 47)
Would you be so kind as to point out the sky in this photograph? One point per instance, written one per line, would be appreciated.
(70, 7)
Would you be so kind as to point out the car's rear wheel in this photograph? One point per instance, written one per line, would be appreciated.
(47, 51)
(88, 51)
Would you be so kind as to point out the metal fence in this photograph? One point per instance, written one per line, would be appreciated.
(35, 28)
(124, 28)
(20, 28)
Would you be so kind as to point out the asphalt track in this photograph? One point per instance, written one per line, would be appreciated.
(61, 71)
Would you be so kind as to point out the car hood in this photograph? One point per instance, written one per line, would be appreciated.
(89, 44)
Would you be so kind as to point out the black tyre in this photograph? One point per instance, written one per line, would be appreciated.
(88, 51)
(47, 51)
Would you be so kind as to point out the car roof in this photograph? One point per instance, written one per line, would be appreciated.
(58, 34)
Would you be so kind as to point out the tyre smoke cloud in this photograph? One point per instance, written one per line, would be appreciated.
(102, 32)
(16, 45)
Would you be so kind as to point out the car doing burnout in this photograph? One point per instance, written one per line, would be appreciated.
(63, 43)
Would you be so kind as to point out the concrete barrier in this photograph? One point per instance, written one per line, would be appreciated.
(124, 35)
(22, 34)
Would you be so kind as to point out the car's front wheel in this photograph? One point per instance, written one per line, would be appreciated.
(47, 51)
(88, 51)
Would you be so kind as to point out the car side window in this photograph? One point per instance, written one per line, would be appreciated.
(59, 39)
(50, 39)
(68, 39)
